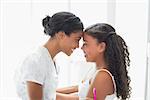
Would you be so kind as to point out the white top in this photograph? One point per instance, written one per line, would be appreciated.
(84, 87)
(38, 67)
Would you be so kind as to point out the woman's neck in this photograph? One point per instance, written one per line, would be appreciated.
(53, 47)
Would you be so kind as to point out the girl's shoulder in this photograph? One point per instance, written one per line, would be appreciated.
(104, 81)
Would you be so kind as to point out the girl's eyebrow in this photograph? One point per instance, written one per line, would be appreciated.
(85, 40)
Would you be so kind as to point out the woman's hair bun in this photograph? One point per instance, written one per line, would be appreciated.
(46, 21)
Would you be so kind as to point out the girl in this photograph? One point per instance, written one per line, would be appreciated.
(108, 50)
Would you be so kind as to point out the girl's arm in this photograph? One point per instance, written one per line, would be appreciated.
(103, 85)
(68, 90)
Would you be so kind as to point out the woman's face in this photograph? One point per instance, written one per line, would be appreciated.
(90, 48)
(71, 42)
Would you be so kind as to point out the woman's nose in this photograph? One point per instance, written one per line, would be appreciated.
(77, 46)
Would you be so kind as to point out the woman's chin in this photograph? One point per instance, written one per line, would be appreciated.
(68, 53)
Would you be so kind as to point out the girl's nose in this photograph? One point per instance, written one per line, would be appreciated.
(82, 47)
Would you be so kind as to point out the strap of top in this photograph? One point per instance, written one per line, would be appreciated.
(110, 75)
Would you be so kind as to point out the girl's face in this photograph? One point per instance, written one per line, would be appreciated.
(91, 48)
(71, 42)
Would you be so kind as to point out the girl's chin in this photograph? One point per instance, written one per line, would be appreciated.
(89, 60)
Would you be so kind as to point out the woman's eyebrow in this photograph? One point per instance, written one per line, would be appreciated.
(78, 38)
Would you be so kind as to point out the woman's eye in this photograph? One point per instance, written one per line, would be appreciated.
(85, 44)
(77, 40)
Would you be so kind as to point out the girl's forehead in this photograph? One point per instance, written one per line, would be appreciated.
(90, 39)
(87, 37)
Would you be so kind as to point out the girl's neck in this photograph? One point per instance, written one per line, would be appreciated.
(101, 67)
(101, 64)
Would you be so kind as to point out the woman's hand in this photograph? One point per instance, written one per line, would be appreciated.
(61, 96)
(68, 90)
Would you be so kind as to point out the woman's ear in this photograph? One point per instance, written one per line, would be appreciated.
(60, 35)
(102, 47)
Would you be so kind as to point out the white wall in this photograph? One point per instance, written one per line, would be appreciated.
(21, 31)
(131, 23)
(15, 17)
(148, 59)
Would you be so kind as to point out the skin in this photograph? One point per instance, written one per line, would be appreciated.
(68, 90)
(94, 52)
(60, 42)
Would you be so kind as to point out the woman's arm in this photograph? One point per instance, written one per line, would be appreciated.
(61, 96)
(68, 90)
(34, 90)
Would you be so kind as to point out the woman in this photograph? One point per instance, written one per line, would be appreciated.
(37, 77)
(108, 50)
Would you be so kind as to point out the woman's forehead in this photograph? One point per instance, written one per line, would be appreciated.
(77, 35)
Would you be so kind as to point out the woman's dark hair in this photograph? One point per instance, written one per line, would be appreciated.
(62, 21)
(116, 56)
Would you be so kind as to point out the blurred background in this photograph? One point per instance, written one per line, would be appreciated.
(21, 31)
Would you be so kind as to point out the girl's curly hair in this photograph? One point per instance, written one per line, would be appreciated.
(116, 56)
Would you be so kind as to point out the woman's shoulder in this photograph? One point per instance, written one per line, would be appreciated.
(34, 60)
(36, 55)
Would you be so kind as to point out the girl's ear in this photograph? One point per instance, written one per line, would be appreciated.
(102, 47)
